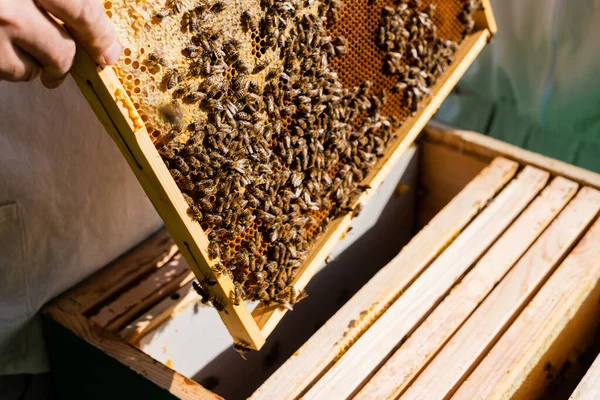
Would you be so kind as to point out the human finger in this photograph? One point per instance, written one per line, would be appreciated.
(48, 43)
(89, 25)
(16, 65)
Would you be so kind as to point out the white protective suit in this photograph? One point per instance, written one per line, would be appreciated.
(69, 203)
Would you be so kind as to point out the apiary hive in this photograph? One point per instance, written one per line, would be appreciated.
(258, 129)
(496, 296)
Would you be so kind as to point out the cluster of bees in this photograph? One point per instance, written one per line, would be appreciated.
(413, 51)
(281, 146)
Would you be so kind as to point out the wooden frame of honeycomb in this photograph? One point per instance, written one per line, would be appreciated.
(119, 115)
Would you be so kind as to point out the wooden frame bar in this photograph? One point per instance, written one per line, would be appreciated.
(115, 110)
(505, 302)
(562, 317)
(402, 368)
(400, 319)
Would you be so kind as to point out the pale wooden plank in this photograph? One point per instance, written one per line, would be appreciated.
(566, 307)
(400, 370)
(350, 321)
(483, 328)
(438, 183)
(157, 315)
(151, 255)
(144, 294)
(374, 346)
(162, 376)
(267, 317)
(487, 148)
(117, 114)
(589, 387)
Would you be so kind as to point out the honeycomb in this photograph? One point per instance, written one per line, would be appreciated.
(270, 113)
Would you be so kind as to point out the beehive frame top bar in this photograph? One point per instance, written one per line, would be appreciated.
(133, 130)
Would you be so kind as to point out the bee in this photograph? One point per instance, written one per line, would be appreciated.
(163, 14)
(297, 295)
(356, 211)
(172, 7)
(194, 97)
(171, 78)
(242, 258)
(206, 67)
(203, 293)
(264, 296)
(219, 305)
(236, 295)
(241, 67)
(213, 250)
(208, 282)
(241, 348)
(217, 7)
(194, 212)
(221, 270)
(340, 45)
(154, 58)
(189, 21)
(190, 52)
(248, 21)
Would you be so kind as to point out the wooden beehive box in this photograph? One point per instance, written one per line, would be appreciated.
(124, 101)
(495, 297)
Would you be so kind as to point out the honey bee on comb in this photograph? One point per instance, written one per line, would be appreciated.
(271, 117)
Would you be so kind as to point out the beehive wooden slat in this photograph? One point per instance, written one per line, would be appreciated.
(179, 300)
(361, 360)
(112, 345)
(562, 316)
(501, 307)
(151, 255)
(340, 331)
(589, 387)
(118, 113)
(400, 370)
(172, 275)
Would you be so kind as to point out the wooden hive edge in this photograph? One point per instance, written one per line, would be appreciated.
(115, 110)
(152, 254)
(175, 383)
(486, 148)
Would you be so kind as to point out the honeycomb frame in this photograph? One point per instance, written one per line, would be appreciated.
(117, 112)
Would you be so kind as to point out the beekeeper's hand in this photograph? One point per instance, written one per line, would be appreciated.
(32, 43)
